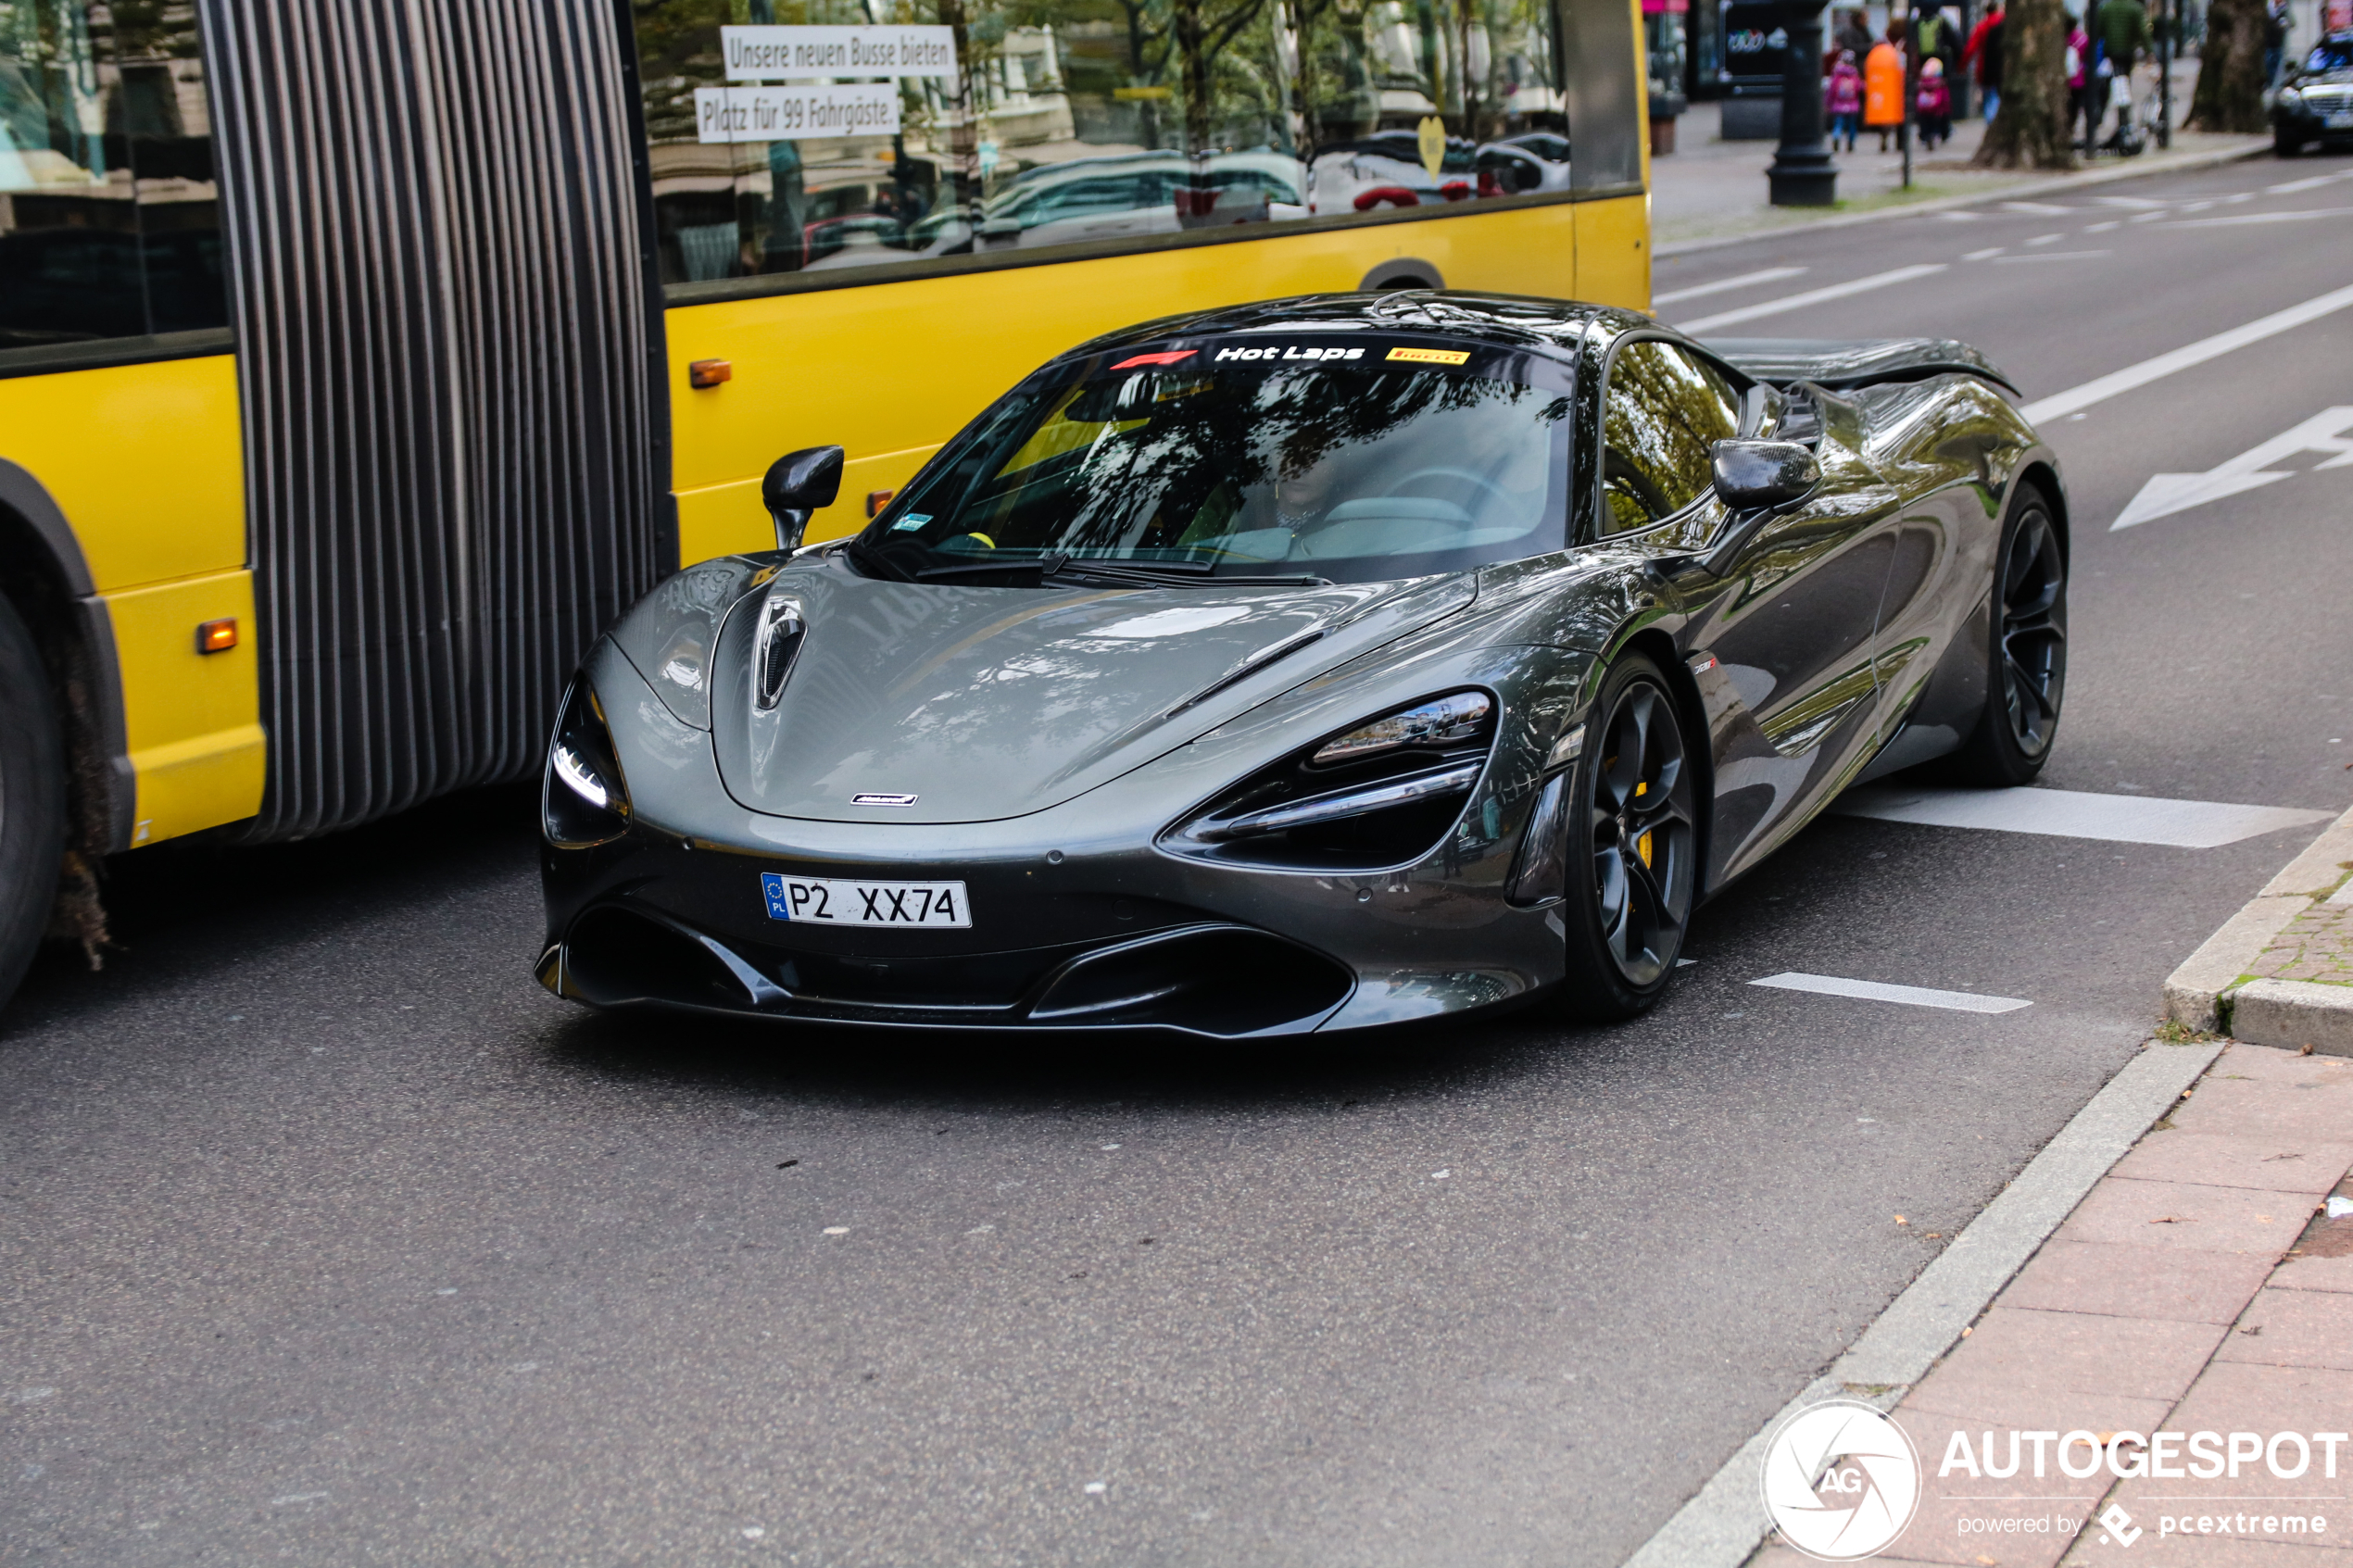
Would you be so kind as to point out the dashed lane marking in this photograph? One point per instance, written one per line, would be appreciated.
(2117, 382)
(2065, 814)
(2236, 219)
(1814, 297)
(1908, 996)
(2034, 207)
(2311, 184)
(2140, 202)
(2054, 255)
(1985, 255)
(1725, 285)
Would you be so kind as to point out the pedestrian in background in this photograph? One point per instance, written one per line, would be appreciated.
(1933, 105)
(2277, 24)
(1986, 52)
(1883, 84)
(1935, 36)
(1856, 35)
(2119, 34)
(1844, 99)
(2079, 80)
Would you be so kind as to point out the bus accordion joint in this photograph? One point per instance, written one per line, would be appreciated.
(705, 373)
(217, 636)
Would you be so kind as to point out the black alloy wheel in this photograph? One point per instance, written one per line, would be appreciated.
(2026, 679)
(1633, 848)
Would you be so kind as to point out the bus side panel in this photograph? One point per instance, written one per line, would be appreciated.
(193, 719)
(1612, 251)
(891, 369)
(146, 462)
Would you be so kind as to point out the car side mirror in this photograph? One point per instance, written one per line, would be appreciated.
(798, 484)
(1753, 475)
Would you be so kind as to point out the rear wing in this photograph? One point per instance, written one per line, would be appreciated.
(1842, 366)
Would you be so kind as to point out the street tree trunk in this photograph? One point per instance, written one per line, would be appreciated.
(2230, 70)
(2029, 131)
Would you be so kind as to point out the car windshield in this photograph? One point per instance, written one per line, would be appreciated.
(1346, 461)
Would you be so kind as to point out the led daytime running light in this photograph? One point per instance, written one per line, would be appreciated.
(1442, 721)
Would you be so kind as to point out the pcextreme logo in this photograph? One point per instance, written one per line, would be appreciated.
(1842, 1481)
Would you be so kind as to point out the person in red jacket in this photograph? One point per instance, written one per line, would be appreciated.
(1984, 52)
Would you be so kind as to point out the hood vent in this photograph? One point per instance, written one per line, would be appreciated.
(773, 648)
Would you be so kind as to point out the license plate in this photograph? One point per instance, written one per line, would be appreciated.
(815, 900)
(2341, 120)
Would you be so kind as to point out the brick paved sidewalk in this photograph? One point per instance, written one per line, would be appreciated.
(2199, 1287)
(2317, 945)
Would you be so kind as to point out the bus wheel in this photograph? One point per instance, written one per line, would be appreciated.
(32, 799)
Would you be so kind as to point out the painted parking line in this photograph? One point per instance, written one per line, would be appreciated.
(1813, 296)
(2065, 813)
(2117, 382)
(1725, 285)
(1908, 996)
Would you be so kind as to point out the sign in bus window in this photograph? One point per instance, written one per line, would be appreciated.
(787, 139)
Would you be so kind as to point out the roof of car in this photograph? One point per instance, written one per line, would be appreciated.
(1552, 326)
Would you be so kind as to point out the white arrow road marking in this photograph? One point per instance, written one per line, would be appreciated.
(1812, 296)
(2118, 382)
(1910, 995)
(2165, 494)
(1724, 285)
(2067, 813)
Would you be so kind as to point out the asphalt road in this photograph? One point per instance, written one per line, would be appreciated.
(328, 1238)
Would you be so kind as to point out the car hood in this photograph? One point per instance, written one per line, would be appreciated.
(983, 703)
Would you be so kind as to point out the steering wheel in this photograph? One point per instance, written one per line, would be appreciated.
(1464, 476)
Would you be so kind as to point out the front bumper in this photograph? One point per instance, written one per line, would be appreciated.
(1079, 922)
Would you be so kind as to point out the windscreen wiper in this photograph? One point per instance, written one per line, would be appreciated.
(1056, 565)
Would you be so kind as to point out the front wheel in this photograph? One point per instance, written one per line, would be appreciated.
(1632, 850)
(2285, 145)
(2026, 665)
(32, 804)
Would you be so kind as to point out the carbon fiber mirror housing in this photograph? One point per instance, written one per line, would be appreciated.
(797, 484)
(1750, 474)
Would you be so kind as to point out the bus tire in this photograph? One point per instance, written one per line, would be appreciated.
(32, 799)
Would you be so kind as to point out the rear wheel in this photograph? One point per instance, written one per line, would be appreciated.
(32, 799)
(1632, 850)
(2026, 674)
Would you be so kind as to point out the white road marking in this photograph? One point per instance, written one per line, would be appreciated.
(2047, 239)
(2312, 183)
(1724, 285)
(1960, 217)
(1909, 995)
(2165, 494)
(2120, 382)
(1814, 297)
(2145, 217)
(2034, 207)
(2065, 813)
(2236, 219)
(2109, 227)
(1984, 254)
(2142, 203)
(2056, 256)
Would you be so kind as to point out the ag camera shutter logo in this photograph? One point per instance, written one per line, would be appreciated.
(1842, 1481)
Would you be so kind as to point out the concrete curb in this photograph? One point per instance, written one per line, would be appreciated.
(1723, 1524)
(2204, 991)
(2187, 162)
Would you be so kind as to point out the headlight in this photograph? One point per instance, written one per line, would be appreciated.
(1447, 720)
(2290, 99)
(1380, 796)
(584, 799)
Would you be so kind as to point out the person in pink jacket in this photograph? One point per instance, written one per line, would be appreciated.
(2080, 80)
(1842, 98)
(1933, 105)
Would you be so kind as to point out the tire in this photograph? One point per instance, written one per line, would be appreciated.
(1632, 867)
(32, 799)
(2026, 652)
(2285, 145)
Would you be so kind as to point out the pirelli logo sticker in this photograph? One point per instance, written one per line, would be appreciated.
(1431, 355)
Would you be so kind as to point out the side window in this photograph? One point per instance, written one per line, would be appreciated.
(109, 211)
(1666, 409)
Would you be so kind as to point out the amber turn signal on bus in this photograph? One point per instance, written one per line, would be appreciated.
(217, 636)
(710, 373)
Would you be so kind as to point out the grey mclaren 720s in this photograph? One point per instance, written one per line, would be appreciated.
(1308, 666)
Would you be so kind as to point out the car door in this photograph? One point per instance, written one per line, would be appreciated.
(1782, 642)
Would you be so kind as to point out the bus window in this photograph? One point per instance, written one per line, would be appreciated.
(788, 147)
(110, 213)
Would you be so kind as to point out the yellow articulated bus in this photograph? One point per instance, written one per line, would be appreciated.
(360, 359)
